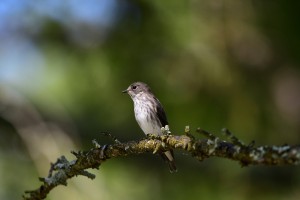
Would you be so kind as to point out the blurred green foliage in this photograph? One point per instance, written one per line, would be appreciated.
(212, 64)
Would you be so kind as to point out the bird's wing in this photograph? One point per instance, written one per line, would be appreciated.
(161, 114)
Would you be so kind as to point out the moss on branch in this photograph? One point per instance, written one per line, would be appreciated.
(210, 146)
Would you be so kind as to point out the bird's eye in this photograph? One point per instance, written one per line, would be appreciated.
(134, 87)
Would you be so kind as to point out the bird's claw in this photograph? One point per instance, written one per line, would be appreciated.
(103, 148)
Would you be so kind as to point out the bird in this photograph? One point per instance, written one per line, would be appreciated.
(150, 115)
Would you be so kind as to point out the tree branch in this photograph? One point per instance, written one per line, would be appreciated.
(234, 149)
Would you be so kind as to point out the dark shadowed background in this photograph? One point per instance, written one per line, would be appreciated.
(212, 64)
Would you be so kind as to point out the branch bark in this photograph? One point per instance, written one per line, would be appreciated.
(233, 149)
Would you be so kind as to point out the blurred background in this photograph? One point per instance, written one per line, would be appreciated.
(212, 64)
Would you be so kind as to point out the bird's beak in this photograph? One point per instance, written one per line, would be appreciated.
(125, 91)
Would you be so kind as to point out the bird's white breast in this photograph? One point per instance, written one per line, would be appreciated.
(142, 109)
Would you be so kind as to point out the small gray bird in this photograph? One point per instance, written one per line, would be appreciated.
(150, 115)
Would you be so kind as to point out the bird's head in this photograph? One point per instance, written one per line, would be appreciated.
(137, 89)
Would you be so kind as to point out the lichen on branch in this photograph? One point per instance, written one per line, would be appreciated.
(199, 148)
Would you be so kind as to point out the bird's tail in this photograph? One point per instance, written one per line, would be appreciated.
(168, 156)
